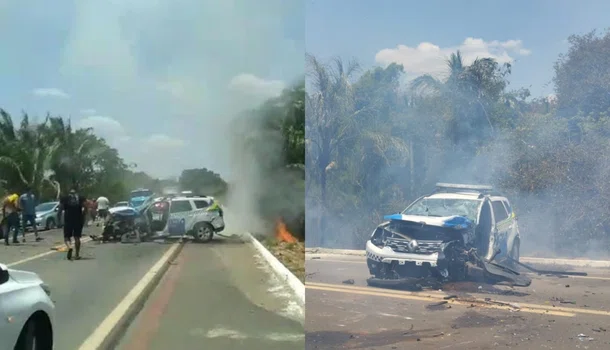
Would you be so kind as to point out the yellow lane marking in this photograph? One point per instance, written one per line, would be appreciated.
(439, 296)
(452, 301)
(530, 274)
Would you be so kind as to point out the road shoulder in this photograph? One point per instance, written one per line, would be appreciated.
(217, 295)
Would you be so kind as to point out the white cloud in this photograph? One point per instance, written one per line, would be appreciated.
(428, 58)
(252, 85)
(106, 127)
(164, 142)
(50, 92)
(88, 111)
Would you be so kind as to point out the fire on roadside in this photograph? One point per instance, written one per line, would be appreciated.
(282, 234)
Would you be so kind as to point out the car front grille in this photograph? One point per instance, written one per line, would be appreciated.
(423, 247)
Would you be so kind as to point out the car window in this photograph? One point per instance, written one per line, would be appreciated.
(445, 207)
(499, 211)
(201, 203)
(180, 206)
(508, 207)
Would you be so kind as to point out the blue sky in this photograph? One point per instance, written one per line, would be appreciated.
(160, 79)
(531, 33)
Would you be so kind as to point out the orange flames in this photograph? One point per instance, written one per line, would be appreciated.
(282, 234)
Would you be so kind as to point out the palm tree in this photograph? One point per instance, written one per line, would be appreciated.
(469, 91)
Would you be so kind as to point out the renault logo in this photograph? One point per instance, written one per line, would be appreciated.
(413, 246)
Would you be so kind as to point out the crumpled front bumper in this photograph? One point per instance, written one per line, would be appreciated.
(387, 255)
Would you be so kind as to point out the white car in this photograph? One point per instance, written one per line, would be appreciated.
(26, 310)
(187, 214)
(121, 204)
(431, 236)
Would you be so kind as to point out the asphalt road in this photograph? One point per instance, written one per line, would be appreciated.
(553, 313)
(221, 295)
(218, 296)
(84, 291)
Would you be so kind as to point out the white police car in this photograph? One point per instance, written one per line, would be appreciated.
(187, 214)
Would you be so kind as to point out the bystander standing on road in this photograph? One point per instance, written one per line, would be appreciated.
(102, 207)
(73, 206)
(27, 203)
(10, 217)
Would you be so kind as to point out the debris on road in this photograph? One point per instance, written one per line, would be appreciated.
(583, 337)
(448, 297)
(438, 306)
(349, 281)
(547, 272)
(599, 329)
(563, 301)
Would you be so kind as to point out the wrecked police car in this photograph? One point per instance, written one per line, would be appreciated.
(456, 233)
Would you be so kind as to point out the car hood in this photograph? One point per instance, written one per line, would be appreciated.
(43, 213)
(23, 276)
(455, 221)
(121, 208)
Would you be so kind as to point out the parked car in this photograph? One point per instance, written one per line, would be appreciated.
(47, 216)
(28, 313)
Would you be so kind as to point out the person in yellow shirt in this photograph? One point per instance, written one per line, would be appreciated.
(10, 215)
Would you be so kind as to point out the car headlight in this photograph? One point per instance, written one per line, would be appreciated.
(46, 288)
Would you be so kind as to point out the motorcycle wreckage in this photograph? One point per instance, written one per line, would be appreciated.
(125, 224)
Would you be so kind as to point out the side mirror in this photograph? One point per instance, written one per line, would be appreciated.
(3, 275)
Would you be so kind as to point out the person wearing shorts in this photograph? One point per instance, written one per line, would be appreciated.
(73, 206)
(102, 207)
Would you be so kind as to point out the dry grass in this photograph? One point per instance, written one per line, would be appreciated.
(292, 255)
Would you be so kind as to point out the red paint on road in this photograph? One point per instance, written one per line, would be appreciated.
(150, 316)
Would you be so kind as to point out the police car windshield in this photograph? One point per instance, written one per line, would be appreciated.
(445, 207)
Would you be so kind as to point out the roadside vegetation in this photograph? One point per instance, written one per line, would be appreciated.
(273, 136)
(51, 155)
(374, 144)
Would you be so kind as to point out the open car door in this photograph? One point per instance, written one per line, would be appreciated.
(158, 215)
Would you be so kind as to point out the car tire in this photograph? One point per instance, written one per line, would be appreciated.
(50, 225)
(36, 334)
(203, 232)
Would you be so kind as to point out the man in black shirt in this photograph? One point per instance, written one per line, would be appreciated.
(73, 207)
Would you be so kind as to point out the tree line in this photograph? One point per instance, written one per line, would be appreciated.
(51, 156)
(374, 145)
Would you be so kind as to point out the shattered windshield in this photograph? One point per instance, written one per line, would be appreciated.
(445, 207)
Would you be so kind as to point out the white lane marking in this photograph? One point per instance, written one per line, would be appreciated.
(42, 255)
(225, 333)
(96, 339)
(222, 332)
(392, 315)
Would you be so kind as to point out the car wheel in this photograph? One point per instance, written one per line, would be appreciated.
(50, 224)
(36, 334)
(203, 232)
